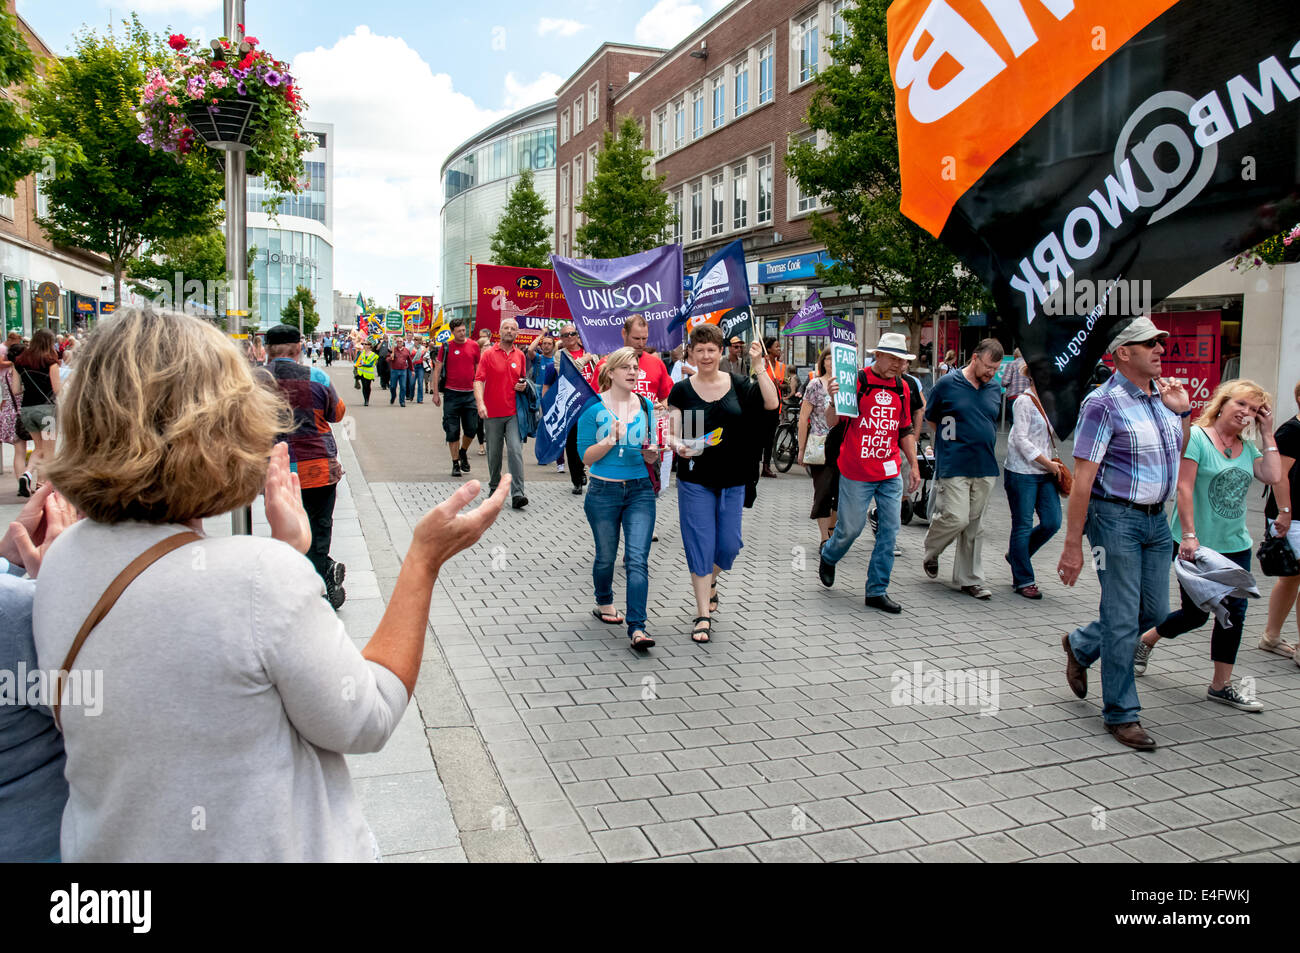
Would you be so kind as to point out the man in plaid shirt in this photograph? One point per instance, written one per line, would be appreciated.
(1126, 455)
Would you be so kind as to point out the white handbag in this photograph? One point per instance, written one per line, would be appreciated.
(814, 451)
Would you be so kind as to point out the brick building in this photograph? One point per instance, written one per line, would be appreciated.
(41, 284)
(719, 110)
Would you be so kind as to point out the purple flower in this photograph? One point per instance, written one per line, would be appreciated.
(241, 88)
(272, 78)
(238, 73)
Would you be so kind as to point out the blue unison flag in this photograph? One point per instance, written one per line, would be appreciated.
(720, 295)
(560, 408)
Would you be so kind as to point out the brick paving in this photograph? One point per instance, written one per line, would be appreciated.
(780, 740)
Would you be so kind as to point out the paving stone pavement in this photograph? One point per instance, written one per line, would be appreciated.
(786, 738)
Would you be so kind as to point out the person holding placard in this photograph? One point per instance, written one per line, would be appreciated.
(868, 448)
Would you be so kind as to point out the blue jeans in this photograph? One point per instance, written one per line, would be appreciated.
(415, 383)
(1131, 550)
(1027, 494)
(397, 385)
(855, 500)
(629, 505)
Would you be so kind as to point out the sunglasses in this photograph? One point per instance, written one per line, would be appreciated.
(1147, 344)
(568, 334)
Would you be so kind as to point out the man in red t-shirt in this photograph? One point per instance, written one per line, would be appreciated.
(501, 375)
(399, 362)
(460, 357)
(869, 462)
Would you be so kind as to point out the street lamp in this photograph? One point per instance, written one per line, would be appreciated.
(241, 520)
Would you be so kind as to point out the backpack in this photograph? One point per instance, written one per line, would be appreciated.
(835, 439)
(442, 370)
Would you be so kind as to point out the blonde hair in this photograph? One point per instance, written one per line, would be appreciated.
(1224, 393)
(164, 422)
(624, 355)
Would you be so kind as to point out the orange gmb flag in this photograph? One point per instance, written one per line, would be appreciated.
(971, 77)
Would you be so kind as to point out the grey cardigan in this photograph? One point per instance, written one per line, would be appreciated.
(230, 693)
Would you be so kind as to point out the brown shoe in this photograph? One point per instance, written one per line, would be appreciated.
(768, 472)
(1076, 676)
(1132, 733)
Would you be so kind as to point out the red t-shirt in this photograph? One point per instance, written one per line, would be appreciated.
(870, 449)
(653, 381)
(462, 362)
(500, 370)
(588, 372)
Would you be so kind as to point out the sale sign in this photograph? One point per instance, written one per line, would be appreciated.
(1192, 352)
(531, 296)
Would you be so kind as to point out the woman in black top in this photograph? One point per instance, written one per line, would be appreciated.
(711, 431)
(38, 371)
(1278, 518)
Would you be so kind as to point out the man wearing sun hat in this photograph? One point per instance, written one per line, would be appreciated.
(870, 465)
(1127, 447)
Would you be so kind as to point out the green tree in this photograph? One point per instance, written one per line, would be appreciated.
(310, 318)
(857, 176)
(18, 157)
(119, 194)
(200, 257)
(523, 237)
(627, 210)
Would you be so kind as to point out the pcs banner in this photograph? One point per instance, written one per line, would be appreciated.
(417, 311)
(531, 296)
(1086, 159)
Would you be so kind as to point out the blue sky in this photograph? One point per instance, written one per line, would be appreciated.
(432, 74)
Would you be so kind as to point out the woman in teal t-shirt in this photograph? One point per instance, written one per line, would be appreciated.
(614, 440)
(1216, 472)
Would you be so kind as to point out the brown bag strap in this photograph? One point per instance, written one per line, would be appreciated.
(1047, 420)
(106, 602)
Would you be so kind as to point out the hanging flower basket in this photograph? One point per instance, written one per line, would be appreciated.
(225, 126)
(231, 97)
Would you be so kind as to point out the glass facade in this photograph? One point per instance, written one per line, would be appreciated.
(500, 159)
(310, 203)
(285, 260)
(476, 185)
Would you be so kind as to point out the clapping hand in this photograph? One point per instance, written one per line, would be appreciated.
(39, 523)
(444, 531)
(283, 497)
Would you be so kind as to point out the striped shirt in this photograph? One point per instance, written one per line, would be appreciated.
(1135, 439)
(313, 455)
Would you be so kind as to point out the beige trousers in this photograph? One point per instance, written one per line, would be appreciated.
(956, 514)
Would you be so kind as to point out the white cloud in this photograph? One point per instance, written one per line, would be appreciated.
(668, 22)
(393, 129)
(519, 94)
(559, 26)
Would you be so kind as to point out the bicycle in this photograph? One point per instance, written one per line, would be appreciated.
(785, 443)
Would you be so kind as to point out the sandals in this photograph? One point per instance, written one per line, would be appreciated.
(640, 641)
(605, 617)
(698, 631)
(1277, 647)
(713, 596)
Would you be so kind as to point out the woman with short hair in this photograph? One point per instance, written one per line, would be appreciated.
(812, 423)
(38, 374)
(614, 440)
(1216, 471)
(232, 690)
(712, 429)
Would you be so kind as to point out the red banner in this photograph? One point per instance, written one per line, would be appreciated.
(531, 296)
(416, 323)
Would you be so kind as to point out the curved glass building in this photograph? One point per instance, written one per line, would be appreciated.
(476, 182)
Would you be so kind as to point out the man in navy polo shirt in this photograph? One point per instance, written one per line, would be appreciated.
(963, 411)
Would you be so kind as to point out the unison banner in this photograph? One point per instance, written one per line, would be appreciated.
(812, 321)
(604, 292)
(719, 295)
(1088, 158)
(531, 296)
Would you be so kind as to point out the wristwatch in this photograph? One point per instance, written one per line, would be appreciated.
(1185, 414)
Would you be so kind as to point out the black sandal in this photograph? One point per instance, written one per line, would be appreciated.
(604, 617)
(713, 596)
(700, 631)
(640, 640)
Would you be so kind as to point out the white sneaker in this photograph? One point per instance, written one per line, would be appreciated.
(559, 468)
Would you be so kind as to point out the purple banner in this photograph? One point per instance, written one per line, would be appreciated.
(603, 292)
(812, 320)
